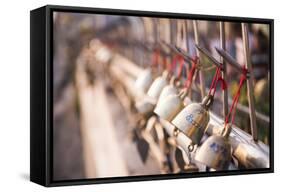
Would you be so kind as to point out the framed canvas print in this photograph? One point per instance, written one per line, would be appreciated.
(125, 95)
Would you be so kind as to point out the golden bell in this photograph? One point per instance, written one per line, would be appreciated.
(143, 81)
(215, 152)
(157, 86)
(170, 106)
(193, 119)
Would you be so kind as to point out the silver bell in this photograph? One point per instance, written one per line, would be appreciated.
(143, 82)
(215, 152)
(157, 86)
(194, 118)
(169, 107)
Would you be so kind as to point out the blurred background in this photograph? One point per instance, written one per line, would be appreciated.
(132, 37)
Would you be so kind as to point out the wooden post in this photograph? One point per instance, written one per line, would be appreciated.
(224, 76)
(201, 72)
(250, 80)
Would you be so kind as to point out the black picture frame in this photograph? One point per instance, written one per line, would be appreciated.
(41, 103)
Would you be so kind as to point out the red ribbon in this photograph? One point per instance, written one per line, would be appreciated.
(176, 59)
(166, 64)
(173, 64)
(181, 63)
(191, 72)
(216, 79)
(232, 110)
(155, 58)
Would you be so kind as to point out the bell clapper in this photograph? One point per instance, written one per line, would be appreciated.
(176, 132)
(191, 147)
(190, 166)
(190, 150)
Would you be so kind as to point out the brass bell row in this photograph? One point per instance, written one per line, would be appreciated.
(161, 96)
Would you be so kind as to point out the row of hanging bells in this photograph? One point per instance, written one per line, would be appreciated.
(162, 97)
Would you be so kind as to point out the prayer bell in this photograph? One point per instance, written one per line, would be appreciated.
(170, 106)
(215, 152)
(145, 105)
(168, 90)
(193, 119)
(143, 81)
(157, 86)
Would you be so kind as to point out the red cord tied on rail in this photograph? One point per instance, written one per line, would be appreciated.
(181, 63)
(173, 64)
(166, 64)
(233, 107)
(177, 59)
(155, 57)
(191, 72)
(216, 79)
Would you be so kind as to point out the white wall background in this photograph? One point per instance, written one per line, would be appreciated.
(14, 94)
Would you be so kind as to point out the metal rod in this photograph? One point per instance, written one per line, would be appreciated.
(229, 59)
(177, 50)
(250, 81)
(183, 53)
(208, 55)
(201, 72)
(223, 73)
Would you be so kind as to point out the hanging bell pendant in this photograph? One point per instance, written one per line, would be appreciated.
(143, 82)
(169, 107)
(168, 90)
(215, 152)
(157, 86)
(145, 105)
(193, 119)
